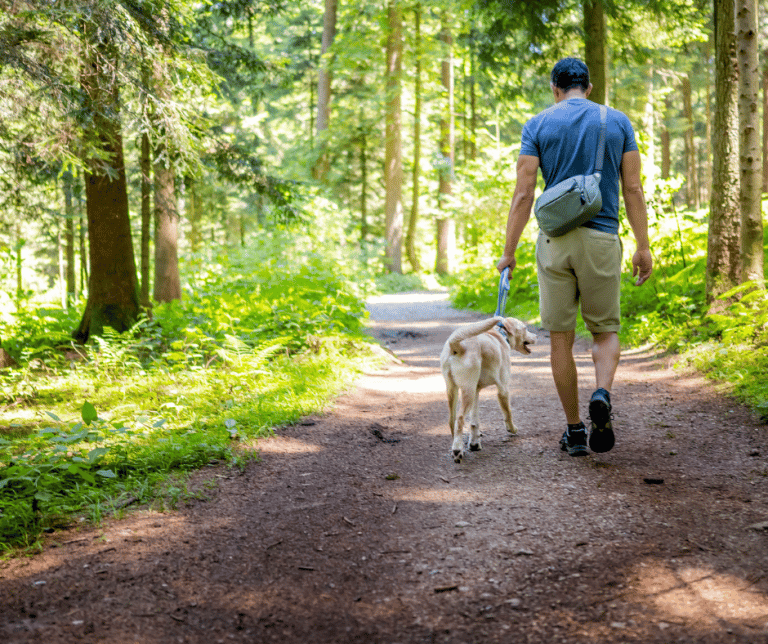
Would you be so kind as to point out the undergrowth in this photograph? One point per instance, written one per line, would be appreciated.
(669, 312)
(257, 342)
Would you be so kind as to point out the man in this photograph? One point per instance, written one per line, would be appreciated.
(584, 265)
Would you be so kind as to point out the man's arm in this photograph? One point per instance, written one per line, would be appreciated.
(520, 210)
(637, 215)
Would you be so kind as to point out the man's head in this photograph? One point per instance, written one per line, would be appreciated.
(570, 73)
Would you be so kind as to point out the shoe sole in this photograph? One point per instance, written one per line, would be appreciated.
(577, 450)
(601, 438)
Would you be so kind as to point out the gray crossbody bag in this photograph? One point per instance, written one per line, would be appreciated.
(574, 201)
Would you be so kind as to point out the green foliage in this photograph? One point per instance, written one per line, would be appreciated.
(398, 283)
(736, 352)
(669, 312)
(476, 287)
(261, 338)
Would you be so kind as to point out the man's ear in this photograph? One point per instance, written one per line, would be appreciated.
(556, 92)
(589, 89)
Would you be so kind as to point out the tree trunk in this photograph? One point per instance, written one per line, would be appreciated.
(649, 124)
(765, 121)
(393, 171)
(692, 185)
(19, 263)
(363, 183)
(594, 50)
(410, 239)
(113, 293)
(724, 233)
(750, 174)
(69, 237)
(446, 229)
(146, 216)
(472, 96)
(194, 211)
(666, 157)
(167, 286)
(707, 182)
(324, 89)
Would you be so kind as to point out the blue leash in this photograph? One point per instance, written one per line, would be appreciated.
(501, 303)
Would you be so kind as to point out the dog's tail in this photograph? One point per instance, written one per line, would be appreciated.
(468, 331)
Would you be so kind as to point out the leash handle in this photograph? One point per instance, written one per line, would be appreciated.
(501, 303)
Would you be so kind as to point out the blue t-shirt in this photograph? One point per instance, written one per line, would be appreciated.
(565, 136)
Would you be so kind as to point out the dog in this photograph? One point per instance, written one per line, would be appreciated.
(476, 356)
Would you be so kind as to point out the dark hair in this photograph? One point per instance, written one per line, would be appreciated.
(569, 73)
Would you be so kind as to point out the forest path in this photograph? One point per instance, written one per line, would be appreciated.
(357, 526)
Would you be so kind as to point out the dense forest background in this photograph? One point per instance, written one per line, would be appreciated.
(201, 192)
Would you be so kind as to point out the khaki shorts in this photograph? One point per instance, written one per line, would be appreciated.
(582, 265)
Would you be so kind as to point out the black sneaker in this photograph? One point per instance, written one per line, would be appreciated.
(601, 438)
(574, 440)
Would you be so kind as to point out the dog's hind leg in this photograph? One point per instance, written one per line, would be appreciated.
(503, 396)
(474, 422)
(455, 421)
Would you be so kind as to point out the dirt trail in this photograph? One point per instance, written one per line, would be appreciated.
(356, 526)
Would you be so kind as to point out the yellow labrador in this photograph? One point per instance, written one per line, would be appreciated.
(477, 356)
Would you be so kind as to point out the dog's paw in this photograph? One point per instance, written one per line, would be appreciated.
(475, 447)
(457, 456)
(512, 429)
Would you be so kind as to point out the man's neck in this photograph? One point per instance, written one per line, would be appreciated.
(574, 92)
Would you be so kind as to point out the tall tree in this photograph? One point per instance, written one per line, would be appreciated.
(750, 173)
(692, 170)
(145, 167)
(594, 49)
(113, 297)
(410, 238)
(446, 227)
(324, 87)
(393, 164)
(70, 214)
(724, 233)
(765, 120)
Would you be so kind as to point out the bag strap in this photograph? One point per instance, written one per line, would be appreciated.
(601, 143)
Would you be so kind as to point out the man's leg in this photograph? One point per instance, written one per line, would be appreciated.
(606, 352)
(564, 373)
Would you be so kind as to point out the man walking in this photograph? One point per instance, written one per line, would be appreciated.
(584, 265)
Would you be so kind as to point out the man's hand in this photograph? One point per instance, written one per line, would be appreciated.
(642, 266)
(507, 260)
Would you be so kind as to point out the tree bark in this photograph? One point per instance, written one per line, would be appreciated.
(692, 171)
(765, 121)
(649, 124)
(410, 238)
(393, 171)
(167, 284)
(724, 233)
(324, 88)
(194, 212)
(750, 174)
(594, 50)
(666, 157)
(113, 298)
(363, 183)
(145, 166)
(69, 237)
(446, 229)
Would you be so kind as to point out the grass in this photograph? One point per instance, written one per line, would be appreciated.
(253, 346)
(669, 312)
